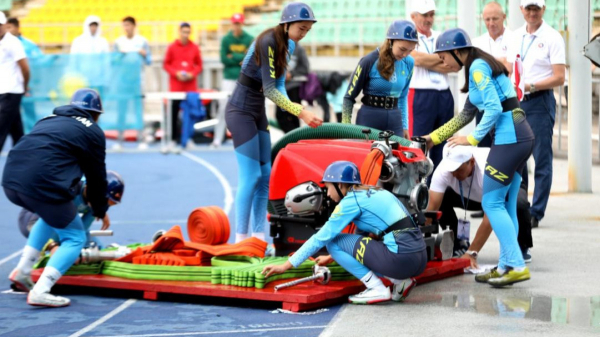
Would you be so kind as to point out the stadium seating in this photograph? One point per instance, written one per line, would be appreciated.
(59, 21)
(340, 21)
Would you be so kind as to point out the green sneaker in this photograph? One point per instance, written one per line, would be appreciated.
(510, 277)
(483, 278)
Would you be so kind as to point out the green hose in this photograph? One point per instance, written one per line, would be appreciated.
(241, 271)
(330, 131)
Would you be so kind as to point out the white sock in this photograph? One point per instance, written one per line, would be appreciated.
(28, 259)
(500, 271)
(520, 269)
(240, 237)
(47, 280)
(259, 235)
(371, 281)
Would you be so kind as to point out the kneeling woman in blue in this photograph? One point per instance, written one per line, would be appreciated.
(393, 245)
(491, 91)
(263, 75)
(384, 76)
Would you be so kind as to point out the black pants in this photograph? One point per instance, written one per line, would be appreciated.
(287, 121)
(175, 124)
(10, 118)
(450, 219)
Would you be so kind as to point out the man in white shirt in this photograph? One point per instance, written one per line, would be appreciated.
(430, 102)
(132, 43)
(14, 77)
(458, 182)
(492, 42)
(542, 51)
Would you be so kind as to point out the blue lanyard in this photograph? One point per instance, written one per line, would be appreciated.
(462, 199)
(527, 51)
(425, 43)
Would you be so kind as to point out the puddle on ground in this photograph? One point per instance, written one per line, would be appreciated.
(577, 311)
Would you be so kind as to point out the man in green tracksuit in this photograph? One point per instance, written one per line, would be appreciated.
(233, 49)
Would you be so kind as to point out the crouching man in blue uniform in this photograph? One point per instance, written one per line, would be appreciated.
(392, 245)
(42, 173)
(114, 193)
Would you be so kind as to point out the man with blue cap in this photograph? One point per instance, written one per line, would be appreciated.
(42, 173)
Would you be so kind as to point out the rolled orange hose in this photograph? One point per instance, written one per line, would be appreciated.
(208, 226)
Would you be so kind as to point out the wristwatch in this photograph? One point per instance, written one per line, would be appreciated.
(472, 253)
(532, 88)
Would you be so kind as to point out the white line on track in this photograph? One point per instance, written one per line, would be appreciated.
(10, 257)
(105, 318)
(224, 182)
(243, 331)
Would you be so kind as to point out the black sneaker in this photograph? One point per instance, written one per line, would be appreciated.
(526, 255)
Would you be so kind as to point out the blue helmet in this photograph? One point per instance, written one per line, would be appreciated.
(342, 172)
(452, 39)
(87, 99)
(297, 11)
(115, 186)
(402, 30)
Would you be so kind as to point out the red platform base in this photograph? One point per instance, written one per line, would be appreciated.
(298, 298)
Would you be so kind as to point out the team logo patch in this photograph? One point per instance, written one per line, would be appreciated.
(337, 212)
(480, 79)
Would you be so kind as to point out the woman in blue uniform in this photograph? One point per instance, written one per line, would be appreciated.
(42, 173)
(393, 245)
(491, 91)
(383, 76)
(263, 75)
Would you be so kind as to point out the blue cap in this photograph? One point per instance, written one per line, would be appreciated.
(342, 172)
(297, 11)
(402, 30)
(87, 99)
(452, 39)
(115, 186)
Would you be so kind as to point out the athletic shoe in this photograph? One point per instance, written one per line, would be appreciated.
(21, 281)
(461, 248)
(270, 250)
(371, 296)
(400, 291)
(527, 255)
(484, 277)
(510, 277)
(47, 300)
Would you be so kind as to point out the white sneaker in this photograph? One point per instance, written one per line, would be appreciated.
(47, 300)
(371, 296)
(402, 289)
(143, 146)
(21, 281)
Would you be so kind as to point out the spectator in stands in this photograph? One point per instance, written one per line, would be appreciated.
(384, 77)
(430, 102)
(233, 49)
(132, 43)
(183, 63)
(458, 183)
(298, 67)
(91, 41)
(14, 74)
(32, 51)
(86, 59)
(542, 51)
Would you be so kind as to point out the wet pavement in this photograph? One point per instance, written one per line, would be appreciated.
(561, 299)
